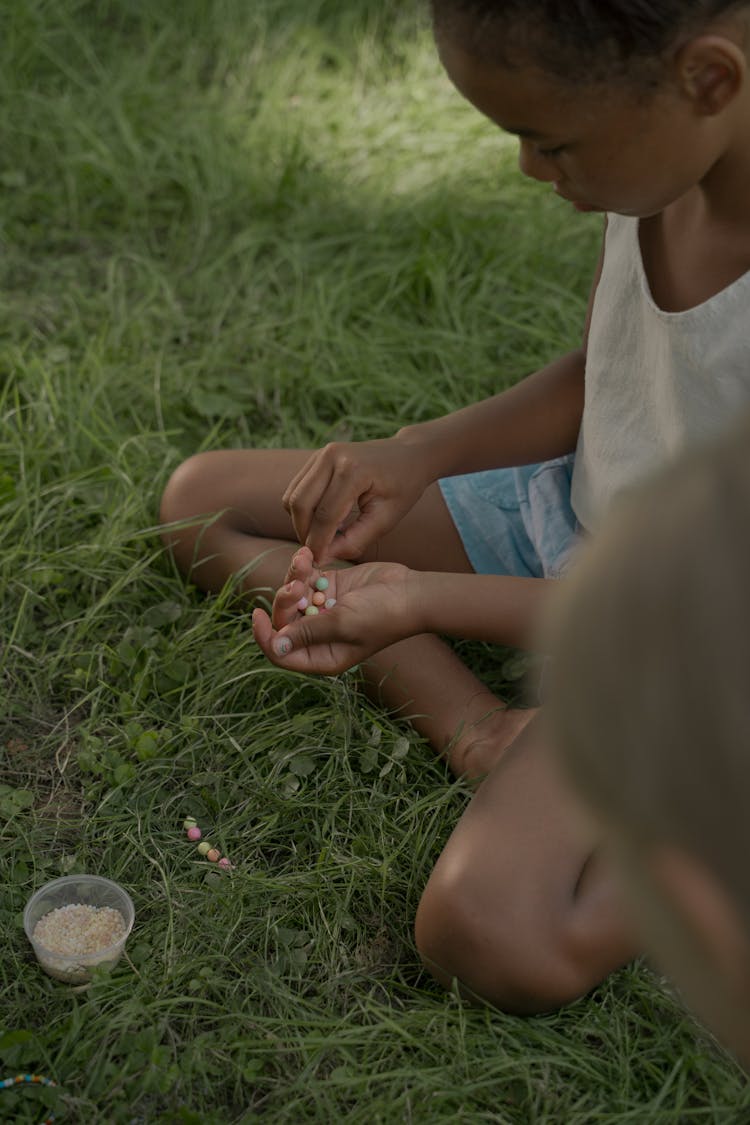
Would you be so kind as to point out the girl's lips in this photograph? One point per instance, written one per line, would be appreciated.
(573, 202)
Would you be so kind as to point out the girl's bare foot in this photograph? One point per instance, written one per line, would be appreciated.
(481, 742)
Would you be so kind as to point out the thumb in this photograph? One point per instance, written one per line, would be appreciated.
(305, 634)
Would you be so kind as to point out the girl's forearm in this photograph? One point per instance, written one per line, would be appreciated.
(535, 420)
(485, 607)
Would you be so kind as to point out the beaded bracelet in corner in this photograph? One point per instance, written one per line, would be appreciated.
(29, 1080)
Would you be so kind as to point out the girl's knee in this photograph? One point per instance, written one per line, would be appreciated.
(187, 496)
(494, 953)
(186, 483)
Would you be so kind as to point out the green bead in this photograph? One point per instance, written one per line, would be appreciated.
(321, 583)
(189, 822)
(204, 847)
(312, 611)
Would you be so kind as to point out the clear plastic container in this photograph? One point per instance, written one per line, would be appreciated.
(89, 890)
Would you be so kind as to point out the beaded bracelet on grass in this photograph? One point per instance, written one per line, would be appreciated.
(29, 1080)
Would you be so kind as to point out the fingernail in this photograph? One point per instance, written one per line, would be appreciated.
(282, 646)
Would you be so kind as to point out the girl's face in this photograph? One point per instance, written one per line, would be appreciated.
(602, 148)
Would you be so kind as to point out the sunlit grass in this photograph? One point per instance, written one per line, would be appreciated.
(263, 224)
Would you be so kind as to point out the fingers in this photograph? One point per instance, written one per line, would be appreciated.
(262, 630)
(287, 603)
(276, 648)
(370, 525)
(304, 633)
(269, 640)
(301, 566)
(325, 536)
(287, 600)
(299, 647)
(305, 492)
(323, 497)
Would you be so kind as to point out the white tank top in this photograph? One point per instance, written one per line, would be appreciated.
(656, 382)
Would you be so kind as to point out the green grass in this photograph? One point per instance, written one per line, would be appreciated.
(256, 223)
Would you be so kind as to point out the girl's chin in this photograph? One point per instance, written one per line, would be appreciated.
(586, 207)
(574, 202)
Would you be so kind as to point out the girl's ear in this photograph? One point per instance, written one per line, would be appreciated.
(711, 70)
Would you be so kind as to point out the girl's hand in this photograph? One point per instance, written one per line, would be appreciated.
(347, 495)
(374, 607)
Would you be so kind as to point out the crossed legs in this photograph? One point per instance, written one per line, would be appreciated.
(518, 908)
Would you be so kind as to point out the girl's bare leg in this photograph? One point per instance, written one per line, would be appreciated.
(241, 528)
(519, 909)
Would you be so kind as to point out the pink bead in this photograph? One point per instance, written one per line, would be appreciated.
(224, 862)
(302, 605)
(194, 833)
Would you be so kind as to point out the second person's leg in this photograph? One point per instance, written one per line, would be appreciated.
(520, 909)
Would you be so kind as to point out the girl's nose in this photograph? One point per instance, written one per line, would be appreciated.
(533, 164)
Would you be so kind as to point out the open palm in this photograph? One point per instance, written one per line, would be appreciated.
(374, 608)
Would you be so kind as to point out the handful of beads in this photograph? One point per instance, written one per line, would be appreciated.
(318, 603)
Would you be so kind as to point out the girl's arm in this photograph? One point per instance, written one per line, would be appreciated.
(537, 419)
(483, 607)
(349, 494)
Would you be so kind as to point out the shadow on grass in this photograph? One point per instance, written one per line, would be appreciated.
(222, 199)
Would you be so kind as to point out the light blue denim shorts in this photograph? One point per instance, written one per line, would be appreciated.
(516, 521)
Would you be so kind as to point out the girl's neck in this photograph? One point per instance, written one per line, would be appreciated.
(690, 253)
(722, 198)
(700, 243)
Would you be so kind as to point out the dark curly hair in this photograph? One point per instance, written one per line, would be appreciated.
(577, 40)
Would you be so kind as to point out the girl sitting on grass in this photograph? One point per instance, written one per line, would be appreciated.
(663, 767)
(638, 110)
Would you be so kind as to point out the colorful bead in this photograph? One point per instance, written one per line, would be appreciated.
(321, 583)
(206, 849)
(311, 611)
(319, 598)
(302, 604)
(329, 603)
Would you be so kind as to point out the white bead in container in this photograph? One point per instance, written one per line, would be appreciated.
(78, 923)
